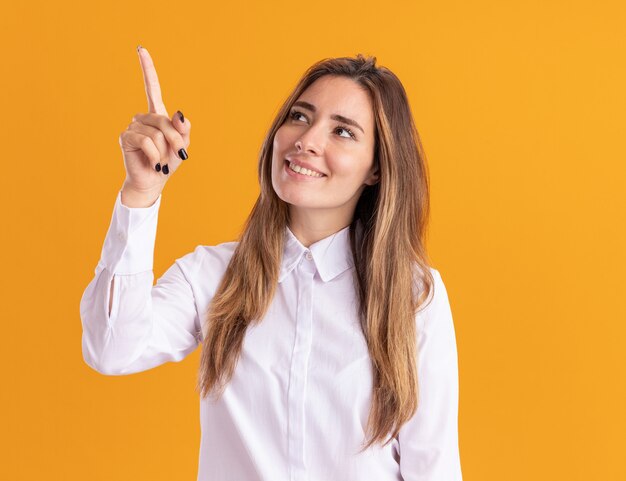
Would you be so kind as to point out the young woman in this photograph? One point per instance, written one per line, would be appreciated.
(328, 345)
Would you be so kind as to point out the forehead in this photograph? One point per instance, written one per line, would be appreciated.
(340, 95)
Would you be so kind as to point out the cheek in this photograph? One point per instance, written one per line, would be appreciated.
(278, 148)
(281, 138)
(276, 142)
(350, 168)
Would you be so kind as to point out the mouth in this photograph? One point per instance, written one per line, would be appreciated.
(300, 173)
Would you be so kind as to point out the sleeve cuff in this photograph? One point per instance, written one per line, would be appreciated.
(129, 243)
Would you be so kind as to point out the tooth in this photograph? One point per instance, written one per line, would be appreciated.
(303, 171)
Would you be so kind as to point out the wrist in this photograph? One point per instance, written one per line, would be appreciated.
(133, 198)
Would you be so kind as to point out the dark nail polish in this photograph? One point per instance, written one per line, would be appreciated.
(158, 167)
(182, 117)
(166, 169)
(182, 153)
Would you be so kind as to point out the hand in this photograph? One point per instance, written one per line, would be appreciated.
(152, 142)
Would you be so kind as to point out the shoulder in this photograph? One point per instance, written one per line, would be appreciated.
(208, 258)
(436, 303)
(420, 278)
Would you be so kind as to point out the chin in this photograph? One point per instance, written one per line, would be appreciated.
(294, 199)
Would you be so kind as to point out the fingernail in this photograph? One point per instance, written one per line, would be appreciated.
(182, 153)
(158, 167)
(182, 117)
(166, 169)
(138, 48)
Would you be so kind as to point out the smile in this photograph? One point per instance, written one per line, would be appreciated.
(300, 172)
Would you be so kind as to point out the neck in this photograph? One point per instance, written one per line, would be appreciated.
(312, 225)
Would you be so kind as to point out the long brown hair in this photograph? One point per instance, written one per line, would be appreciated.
(391, 272)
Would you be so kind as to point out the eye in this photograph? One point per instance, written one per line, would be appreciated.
(346, 130)
(294, 114)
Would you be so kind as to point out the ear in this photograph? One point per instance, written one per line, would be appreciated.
(373, 178)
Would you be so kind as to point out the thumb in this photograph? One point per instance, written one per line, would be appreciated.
(182, 124)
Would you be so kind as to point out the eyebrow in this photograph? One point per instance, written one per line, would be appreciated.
(340, 118)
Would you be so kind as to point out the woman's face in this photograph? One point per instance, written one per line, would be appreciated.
(330, 130)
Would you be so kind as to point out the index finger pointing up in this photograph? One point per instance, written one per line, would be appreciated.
(151, 82)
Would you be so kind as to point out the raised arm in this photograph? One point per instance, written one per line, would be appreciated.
(129, 325)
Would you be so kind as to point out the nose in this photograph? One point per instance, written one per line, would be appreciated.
(311, 141)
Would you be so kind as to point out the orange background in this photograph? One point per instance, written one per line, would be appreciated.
(520, 106)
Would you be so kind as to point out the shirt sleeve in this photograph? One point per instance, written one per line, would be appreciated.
(429, 446)
(148, 324)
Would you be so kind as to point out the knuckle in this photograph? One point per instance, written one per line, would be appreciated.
(163, 121)
(145, 142)
(158, 136)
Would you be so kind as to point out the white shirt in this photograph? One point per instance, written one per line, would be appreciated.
(296, 407)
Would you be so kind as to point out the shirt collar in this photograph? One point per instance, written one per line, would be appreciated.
(332, 255)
